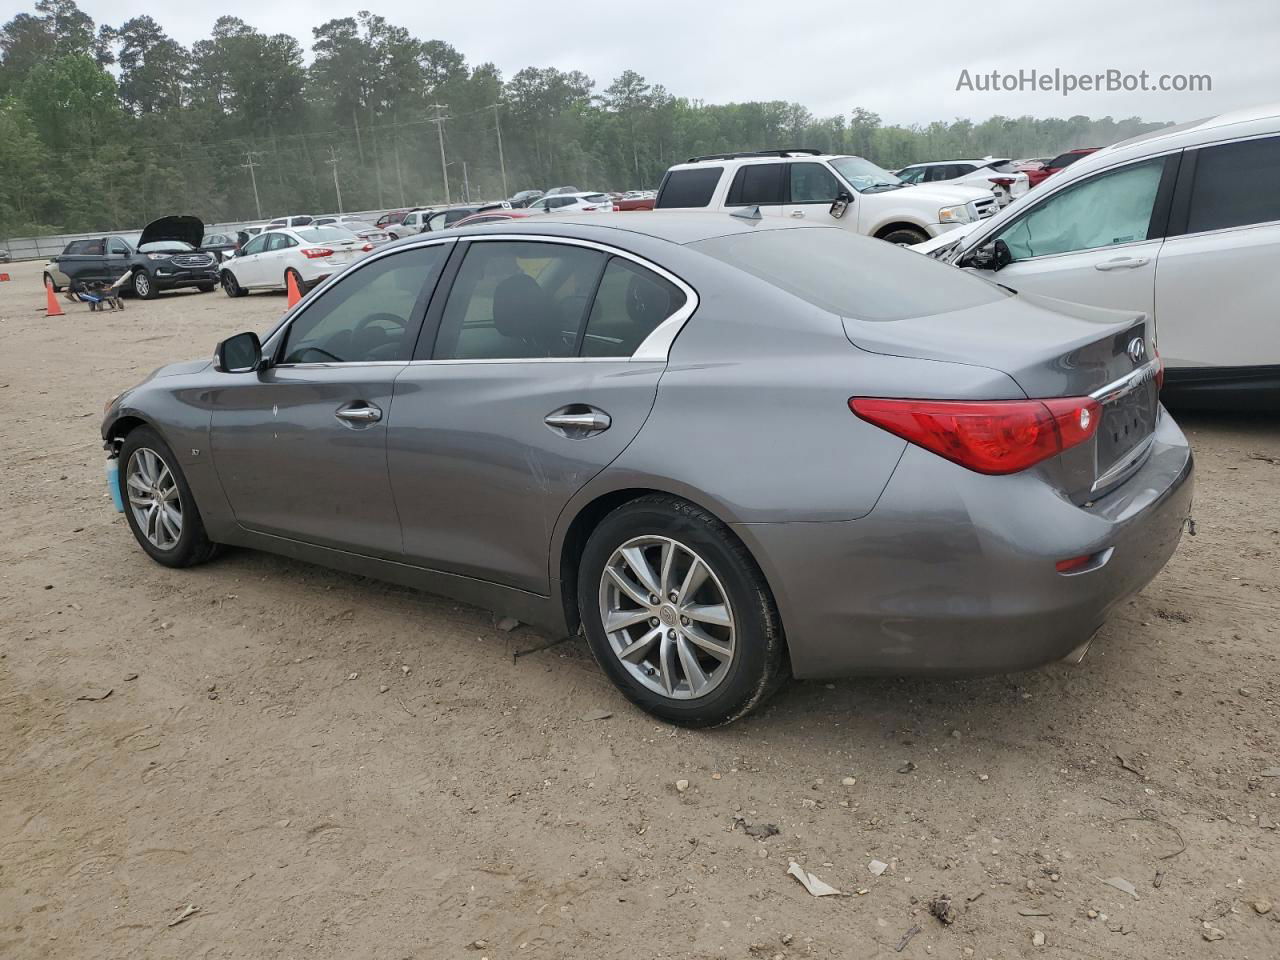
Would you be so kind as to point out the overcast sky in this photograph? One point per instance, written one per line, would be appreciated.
(901, 59)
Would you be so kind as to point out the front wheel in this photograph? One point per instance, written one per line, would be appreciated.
(206, 287)
(905, 236)
(230, 286)
(678, 615)
(144, 286)
(48, 282)
(158, 504)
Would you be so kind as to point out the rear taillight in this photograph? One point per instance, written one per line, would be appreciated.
(1003, 181)
(367, 247)
(1159, 372)
(987, 436)
(315, 253)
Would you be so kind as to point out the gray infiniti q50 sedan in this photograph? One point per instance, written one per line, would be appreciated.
(729, 450)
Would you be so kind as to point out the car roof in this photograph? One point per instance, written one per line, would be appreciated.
(675, 226)
(740, 161)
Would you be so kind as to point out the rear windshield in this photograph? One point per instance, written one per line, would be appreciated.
(595, 197)
(855, 277)
(688, 188)
(324, 234)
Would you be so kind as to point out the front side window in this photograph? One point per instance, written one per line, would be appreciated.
(118, 248)
(1236, 184)
(1109, 209)
(812, 183)
(256, 245)
(688, 188)
(631, 301)
(912, 174)
(515, 300)
(367, 316)
(757, 183)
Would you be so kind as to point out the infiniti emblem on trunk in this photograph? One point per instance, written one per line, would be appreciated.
(1137, 350)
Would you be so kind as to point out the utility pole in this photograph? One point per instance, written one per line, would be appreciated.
(466, 184)
(439, 120)
(502, 164)
(333, 163)
(250, 163)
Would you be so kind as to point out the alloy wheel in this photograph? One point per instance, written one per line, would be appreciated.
(667, 617)
(141, 284)
(154, 498)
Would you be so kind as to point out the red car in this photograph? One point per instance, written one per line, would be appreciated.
(1035, 177)
(636, 203)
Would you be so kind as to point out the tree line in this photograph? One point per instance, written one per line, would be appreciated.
(105, 127)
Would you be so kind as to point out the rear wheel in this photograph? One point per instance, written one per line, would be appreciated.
(905, 235)
(229, 284)
(159, 506)
(206, 287)
(144, 286)
(678, 615)
(48, 282)
(297, 279)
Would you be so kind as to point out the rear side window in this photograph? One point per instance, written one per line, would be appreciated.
(83, 248)
(855, 277)
(1064, 160)
(757, 183)
(630, 303)
(518, 300)
(688, 188)
(1236, 184)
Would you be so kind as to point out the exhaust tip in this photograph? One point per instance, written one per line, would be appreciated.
(1077, 655)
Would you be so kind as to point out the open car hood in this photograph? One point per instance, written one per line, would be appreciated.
(186, 228)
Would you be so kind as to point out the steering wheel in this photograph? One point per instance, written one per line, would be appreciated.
(374, 317)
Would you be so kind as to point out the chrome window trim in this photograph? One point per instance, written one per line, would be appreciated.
(655, 347)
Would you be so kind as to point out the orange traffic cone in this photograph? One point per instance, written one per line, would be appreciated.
(294, 293)
(54, 308)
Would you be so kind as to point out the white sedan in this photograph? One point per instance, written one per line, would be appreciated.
(997, 175)
(309, 253)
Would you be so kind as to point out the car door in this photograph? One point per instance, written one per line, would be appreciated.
(119, 259)
(812, 188)
(762, 185)
(300, 447)
(247, 266)
(1217, 282)
(536, 379)
(1094, 241)
(83, 261)
(281, 250)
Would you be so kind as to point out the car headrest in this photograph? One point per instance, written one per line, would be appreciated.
(522, 309)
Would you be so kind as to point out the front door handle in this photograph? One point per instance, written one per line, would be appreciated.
(595, 421)
(365, 413)
(1122, 263)
(798, 214)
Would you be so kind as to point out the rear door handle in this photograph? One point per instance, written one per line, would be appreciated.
(1122, 263)
(363, 413)
(578, 421)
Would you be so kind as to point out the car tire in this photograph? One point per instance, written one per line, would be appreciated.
(48, 282)
(143, 286)
(231, 286)
(151, 501)
(206, 287)
(905, 236)
(743, 626)
(297, 278)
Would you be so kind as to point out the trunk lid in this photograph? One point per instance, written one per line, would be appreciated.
(1051, 348)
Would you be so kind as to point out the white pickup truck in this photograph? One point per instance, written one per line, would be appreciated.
(834, 190)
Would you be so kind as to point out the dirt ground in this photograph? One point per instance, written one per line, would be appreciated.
(246, 763)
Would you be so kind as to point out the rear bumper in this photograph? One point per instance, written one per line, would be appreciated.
(953, 573)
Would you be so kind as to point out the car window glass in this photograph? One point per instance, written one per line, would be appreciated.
(1236, 184)
(757, 183)
(368, 315)
(518, 300)
(118, 248)
(911, 174)
(937, 174)
(275, 241)
(812, 183)
(1105, 210)
(436, 222)
(631, 301)
(688, 188)
(256, 245)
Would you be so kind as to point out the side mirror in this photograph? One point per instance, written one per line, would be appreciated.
(994, 256)
(840, 206)
(239, 354)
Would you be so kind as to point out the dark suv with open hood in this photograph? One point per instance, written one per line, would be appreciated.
(168, 256)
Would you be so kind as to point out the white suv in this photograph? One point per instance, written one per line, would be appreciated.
(805, 184)
(1183, 224)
